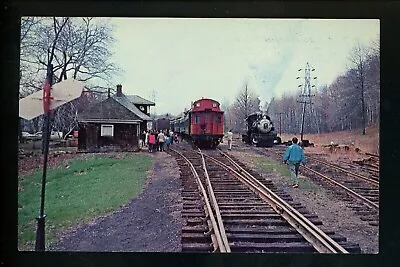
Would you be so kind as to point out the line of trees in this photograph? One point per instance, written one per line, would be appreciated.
(78, 48)
(351, 102)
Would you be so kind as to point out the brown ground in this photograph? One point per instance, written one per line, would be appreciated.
(354, 139)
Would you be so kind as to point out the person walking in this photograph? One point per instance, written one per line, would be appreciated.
(157, 144)
(146, 139)
(161, 140)
(171, 137)
(294, 155)
(152, 142)
(230, 138)
(142, 139)
(167, 141)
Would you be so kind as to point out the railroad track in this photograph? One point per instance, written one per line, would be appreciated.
(371, 173)
(370, 164)
(361, 192)
(226, 209)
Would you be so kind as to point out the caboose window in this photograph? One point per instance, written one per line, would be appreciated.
(196, 119)
(214, 105)
(218, 119)
(198, 104)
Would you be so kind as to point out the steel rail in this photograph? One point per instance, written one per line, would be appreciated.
(373, 182)
(371, 166)
(319, 240)
(215, 205)
(353, 193)
(373, 155)
(217, 233)
(374, 172)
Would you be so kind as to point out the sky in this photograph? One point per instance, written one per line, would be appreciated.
(175, 61)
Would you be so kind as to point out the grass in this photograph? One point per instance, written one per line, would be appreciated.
(84, 190)
(272, 165)
(269, 164)
(305, 183)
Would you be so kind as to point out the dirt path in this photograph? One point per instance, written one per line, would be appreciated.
(149, 223)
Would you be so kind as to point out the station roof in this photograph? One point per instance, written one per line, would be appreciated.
(127, 103)
(138, 100)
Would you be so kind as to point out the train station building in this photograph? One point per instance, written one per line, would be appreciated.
(114, 124)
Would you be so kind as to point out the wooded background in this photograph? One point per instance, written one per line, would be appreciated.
(81, 48)
(351, 102)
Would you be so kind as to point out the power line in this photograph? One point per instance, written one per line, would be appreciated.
(305, 96)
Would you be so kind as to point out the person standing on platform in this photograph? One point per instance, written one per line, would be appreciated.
(161, 140)
(152, 142)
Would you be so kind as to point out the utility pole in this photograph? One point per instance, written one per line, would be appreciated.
(40, 232)
(280, 122)
(305, 96)
(52, 96)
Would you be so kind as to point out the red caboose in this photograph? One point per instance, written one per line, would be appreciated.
(206, 122)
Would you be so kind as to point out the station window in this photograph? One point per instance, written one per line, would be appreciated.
(107, 130)
(196, 119)
(218, 119)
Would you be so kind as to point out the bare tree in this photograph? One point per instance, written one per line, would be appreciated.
(373, 84)
(245, 104)
(359, 57)
(78, 48)
(228, 119)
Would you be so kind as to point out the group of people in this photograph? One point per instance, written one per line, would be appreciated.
(157, 140)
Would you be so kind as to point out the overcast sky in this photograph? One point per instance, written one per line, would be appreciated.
(182, 60)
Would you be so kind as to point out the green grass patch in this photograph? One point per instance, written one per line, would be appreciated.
(87, 189)
(270, 164)
(305, 183)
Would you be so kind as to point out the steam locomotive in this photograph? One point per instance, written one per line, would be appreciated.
(260, 130)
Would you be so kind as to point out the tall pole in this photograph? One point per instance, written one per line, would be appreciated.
(280, 122)
(302, 120)
(40, 232)
(305, 95)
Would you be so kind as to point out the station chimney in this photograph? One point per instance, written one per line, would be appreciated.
(119, 90)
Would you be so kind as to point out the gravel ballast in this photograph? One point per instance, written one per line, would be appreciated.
(330, 209)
